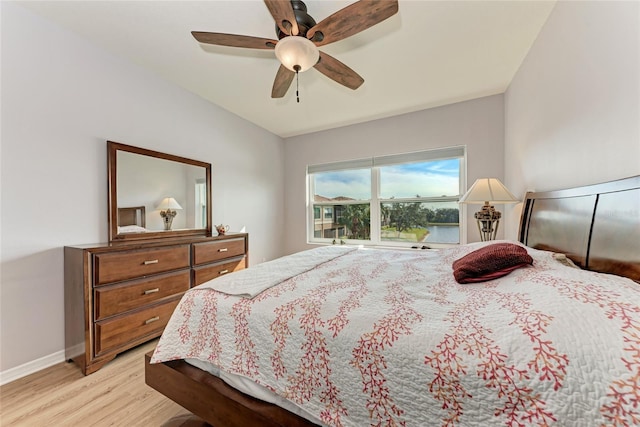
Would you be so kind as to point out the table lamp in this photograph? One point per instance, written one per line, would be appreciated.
(488, 191)
(168, 207)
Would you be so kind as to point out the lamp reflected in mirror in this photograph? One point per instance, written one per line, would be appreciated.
(168, 207)
(488, 191)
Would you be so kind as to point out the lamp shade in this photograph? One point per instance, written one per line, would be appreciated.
(168, 203)
(488, 190)
(294, 51)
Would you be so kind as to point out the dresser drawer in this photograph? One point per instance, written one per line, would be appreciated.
(218, 250)
(117, 266)
(116, 299)
(208, 272)
(120, 330)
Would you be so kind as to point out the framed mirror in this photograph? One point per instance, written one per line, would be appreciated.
(156, 195)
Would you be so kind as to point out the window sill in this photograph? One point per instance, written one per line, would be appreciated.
(383, 246)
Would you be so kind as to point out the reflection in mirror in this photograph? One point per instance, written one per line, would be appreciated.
(147, 181)
(156, 194)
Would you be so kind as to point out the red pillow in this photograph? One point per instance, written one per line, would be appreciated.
(490, 262)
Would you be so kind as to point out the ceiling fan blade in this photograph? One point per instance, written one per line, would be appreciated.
(283, 80)
(234, 40)
(282, 12)
(351, 20)
(336, 70)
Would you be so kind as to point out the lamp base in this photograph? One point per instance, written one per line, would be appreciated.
(167, 218)
(488, 219)
(167, 222)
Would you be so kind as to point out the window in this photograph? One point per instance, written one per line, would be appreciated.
(201, 204)
(392, 200)
(328, 213)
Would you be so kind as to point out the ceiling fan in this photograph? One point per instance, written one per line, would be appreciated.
(299, 37)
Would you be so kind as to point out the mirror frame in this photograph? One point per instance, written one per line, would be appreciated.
(112, 168)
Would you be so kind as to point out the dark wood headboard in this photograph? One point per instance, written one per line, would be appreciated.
(597, 226)
(132, 216)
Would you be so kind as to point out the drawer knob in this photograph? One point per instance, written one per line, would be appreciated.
(223, 250)
(223, 271)
(153, 319)
(151, 291)
(151, 261)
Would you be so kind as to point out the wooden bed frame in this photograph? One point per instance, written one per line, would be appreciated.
(597, 226)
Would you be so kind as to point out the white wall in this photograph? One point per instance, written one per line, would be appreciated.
(62, 99)
(478, 124)
(572, 112)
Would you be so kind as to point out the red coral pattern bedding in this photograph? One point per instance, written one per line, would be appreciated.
(388, 338)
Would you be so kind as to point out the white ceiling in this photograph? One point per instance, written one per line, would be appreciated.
(431, 53)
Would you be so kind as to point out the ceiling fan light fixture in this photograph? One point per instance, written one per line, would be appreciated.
(297, 51)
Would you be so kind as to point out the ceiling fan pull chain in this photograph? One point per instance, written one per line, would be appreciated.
(297, 68)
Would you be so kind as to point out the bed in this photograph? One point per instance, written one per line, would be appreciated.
(353, 336)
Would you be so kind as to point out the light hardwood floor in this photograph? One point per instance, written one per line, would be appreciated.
(115, 395)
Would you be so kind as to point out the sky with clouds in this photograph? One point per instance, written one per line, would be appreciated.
(427, 179)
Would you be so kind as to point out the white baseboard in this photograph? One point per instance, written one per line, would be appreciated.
(31, 367)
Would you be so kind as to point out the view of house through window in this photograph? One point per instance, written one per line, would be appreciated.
(402, 199)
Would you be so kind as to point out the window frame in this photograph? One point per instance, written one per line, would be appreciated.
(374, 164)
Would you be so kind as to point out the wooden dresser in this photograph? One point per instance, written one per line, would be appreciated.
(120, 295)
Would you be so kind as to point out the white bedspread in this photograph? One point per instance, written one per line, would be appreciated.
(250, 282)
(383, 337)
